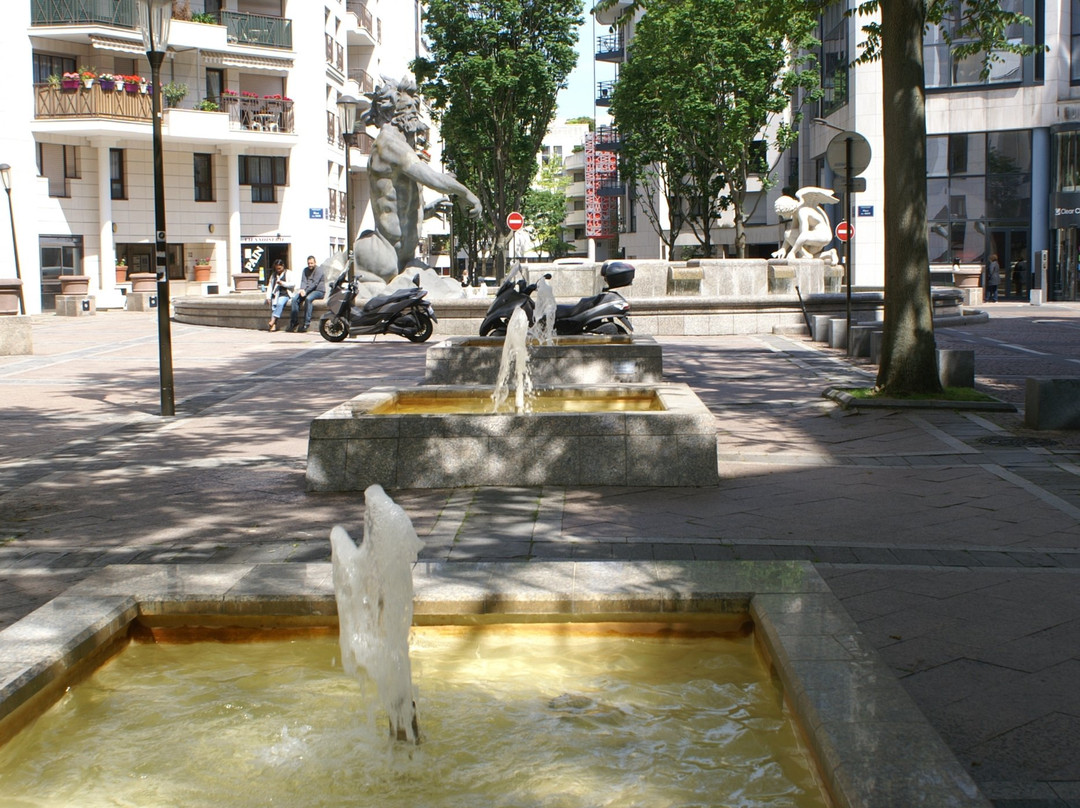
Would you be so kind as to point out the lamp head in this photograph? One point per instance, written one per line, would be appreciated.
(155, 18)
(5, 175)
(347, 110)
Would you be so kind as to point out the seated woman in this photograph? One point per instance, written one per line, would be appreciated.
(278, 290)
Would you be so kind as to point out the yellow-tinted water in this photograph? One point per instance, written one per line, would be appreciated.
(550, 719)
(408, 402)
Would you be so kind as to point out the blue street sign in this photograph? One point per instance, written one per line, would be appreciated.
(866, 210)
(315, 213)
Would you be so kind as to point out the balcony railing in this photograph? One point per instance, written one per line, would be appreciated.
(609, 184)
(120, 13)
(610, 48)
(604, 91)
(258, 29)
(607, 138)
(260, 114)
(363, 78)
(360, 9)
(52, 102)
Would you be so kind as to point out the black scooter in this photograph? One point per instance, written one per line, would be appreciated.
(515, 293)
(403, 312)
(605, 313)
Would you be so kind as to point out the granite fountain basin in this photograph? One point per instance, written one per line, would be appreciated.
(871, 746)
(582, 359)
(445, 436)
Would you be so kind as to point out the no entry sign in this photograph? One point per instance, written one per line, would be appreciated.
(515, 220)
(845, 231)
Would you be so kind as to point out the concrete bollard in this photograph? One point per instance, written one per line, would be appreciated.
(859, 342)
(821, 327)
(956, 368)
(838, 332)
(1052, 403)
(875, 347)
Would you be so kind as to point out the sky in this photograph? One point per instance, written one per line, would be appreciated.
(577, 99)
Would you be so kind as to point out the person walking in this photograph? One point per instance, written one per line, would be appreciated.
(993, 278)
(311, 287)
(278, 289)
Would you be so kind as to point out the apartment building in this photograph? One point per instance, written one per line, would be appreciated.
(1003, 150)
(253, 150)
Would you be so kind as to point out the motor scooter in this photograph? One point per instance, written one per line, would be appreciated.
(403, 312)
(605, 313)
(514, 293)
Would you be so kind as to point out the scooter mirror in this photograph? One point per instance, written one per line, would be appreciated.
(416, 280)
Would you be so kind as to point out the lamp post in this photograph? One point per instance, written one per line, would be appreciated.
(155, 17)
(5, 174)
(347, 110)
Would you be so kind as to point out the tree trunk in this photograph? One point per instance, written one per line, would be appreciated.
(908, 355)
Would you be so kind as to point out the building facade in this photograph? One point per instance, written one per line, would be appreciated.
(253, 150)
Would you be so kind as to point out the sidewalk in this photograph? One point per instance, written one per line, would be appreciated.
(952, 538)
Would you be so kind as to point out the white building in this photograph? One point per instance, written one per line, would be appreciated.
(260, 177)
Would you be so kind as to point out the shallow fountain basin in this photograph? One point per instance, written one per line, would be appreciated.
(378, 437)
(872, 747)
(582, 359)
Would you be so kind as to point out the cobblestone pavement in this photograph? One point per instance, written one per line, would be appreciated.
(953, 538)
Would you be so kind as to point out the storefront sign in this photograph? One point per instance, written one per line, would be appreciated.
(1066, 210)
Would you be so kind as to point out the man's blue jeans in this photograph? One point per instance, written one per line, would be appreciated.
(309, 303)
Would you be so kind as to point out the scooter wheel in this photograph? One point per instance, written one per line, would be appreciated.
(497, 329)
(610, 327)
(424, 328)
(334, 329)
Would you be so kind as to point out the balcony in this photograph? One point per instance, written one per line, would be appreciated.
(118, 13)
(609, 184)
(113, 107)
(607, 138)
(366, 30)
(363, 79)
(335, 54)
(604, 91)
(257, 29)
(610, 48)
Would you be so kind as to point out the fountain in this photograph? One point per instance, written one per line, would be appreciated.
(515, 357)
(374, 591)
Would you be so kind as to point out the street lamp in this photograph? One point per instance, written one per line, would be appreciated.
(155, 17)
(348, 107)
(849, 195)
(5, 174)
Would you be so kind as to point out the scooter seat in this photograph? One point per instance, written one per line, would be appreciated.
(566, 310)
(381, 300)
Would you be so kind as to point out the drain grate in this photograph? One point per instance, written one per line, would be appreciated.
(1013, 441)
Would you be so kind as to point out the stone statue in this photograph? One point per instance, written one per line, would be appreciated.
(397, 176)
(810, 230)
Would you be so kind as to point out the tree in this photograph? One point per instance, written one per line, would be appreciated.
(908, 351)
(544, 209)
(707, 84)
(494, 71)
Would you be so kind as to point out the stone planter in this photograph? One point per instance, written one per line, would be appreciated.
(246, 281)
(966, 278)
(143, 282)
(9, 296)
(74, 284)
(202, 273)
(121, 274)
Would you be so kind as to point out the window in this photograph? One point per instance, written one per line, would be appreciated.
(263, 174)
(944, 70)
(204, 177)
(116, 174)
(1074, 52)
(59, 164)
(215, 83)
(834, 58)
(46, 65)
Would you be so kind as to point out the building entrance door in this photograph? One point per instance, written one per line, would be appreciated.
(1011, 246)
(60, 255)
(1064, 280)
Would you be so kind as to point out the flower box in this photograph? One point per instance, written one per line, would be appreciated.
(202, 273)
(69, 84)
(10, 289)
(108, 85)
(74, 284)
(143, 282)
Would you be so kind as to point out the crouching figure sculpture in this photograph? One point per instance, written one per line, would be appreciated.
(809, 231)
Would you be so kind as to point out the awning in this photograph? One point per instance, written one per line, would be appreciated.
(247, 62)
(122, 45)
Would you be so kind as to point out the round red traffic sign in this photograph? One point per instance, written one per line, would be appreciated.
(845, 231)
(515, 220)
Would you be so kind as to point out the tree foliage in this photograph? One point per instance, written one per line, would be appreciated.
(494, 71)
(708, 83)
(544, 209)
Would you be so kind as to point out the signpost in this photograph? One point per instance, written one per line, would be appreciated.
(848, 155)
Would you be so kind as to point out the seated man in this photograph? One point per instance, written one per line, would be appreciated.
(311, 287)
